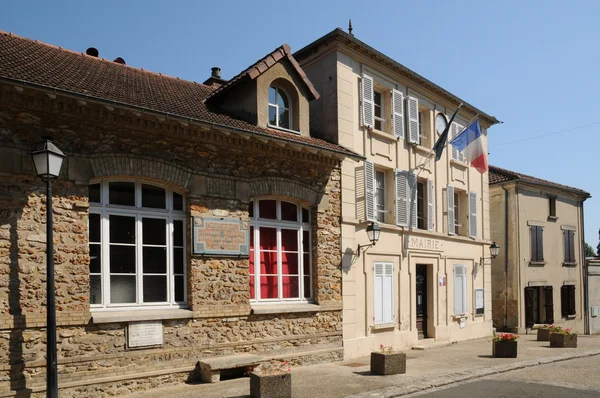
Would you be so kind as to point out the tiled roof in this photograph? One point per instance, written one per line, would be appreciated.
(498, 176)
(261, 66)
(45, 66)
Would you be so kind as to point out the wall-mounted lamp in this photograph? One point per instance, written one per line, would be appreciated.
(494, 251)
(373, 231)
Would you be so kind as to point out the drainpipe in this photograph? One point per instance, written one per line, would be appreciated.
(505, 257)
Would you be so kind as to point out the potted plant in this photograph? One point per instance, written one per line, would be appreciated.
(563, 338)
(386, 361)
(543, 332)
(504, 345)
(271, 379)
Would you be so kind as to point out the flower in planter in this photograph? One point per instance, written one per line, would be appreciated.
(386, 349)
(273, 367)
(565, 331)
(505, 337)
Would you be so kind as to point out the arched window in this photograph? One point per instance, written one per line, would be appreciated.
(137, 245)
(280, 114)
(280, 251)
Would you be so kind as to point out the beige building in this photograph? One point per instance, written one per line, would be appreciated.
(423, 279)
(538, 276)
(593, 291)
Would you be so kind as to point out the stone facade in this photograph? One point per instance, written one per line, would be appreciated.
(220, 173)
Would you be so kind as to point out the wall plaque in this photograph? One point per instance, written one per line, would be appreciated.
(141, 334)
(220, 236)
(417, 242)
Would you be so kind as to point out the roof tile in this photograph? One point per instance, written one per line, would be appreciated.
(498, 175)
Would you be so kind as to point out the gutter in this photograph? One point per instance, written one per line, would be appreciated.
(505, 256)
(182, 118)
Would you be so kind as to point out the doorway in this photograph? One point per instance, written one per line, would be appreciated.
(421, 289)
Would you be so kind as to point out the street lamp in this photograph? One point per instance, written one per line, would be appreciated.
(494, 251)
(373, 231)
(48, 159)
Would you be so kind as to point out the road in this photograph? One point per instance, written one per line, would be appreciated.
(574, 378)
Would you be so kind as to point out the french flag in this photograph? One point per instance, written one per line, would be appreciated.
(470, 143)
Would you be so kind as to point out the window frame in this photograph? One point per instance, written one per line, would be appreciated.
(256, 222)
(104, 209)
(457, 209)
(422, 205)
(568, 301)
(380, 194)
(277, 125)
(381, 105)
(552, 207)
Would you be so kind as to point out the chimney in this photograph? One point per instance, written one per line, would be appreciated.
(215, 79)
(92, 52)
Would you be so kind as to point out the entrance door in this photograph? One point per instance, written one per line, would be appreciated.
(421, 276)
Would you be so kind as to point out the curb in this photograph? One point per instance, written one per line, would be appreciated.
(398, 391)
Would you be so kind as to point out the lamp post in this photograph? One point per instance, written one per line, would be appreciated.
(373, 231)
(48, 159)
(494, 251)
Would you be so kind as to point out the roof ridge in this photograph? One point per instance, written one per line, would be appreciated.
(81, 53)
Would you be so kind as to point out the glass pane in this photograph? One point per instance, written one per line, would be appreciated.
(267, 209)
(121, 193)
(177, 201)
(94, 259)
(305, 215)
(155, 260)
(269, 287)
(289, 211)
(122, 259)
(307, 287)
(306, 264)
(284, 118)
(282, 99)
(268, 238)
(252, 277)
(290, 286)
(272, 116)
(95, 289)
(251, 262)
(305, 241)
(289, 263)
(94, 193)
(155, 289)
(154, 231)
(153, 197)
(122, 289)
(272, 95)
(178, 233)
(268, 263)
(122, 229)
(179, 289)
(94, 227)
(251, 210)
(289, 240)
(178, 261)
(251, 238)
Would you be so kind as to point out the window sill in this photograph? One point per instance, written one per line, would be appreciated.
(537, 263)
(140, 315)
(569, 264)
(552, 218)
(459, 164)
(458, 317)
(383, 326)
(382, 134)
(570, 317)
(258, 309)
(283, 129)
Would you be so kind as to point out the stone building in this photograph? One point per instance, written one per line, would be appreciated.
(538, 276)
(204, 215)
(424, 278)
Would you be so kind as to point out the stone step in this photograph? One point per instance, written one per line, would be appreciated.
(428, 344)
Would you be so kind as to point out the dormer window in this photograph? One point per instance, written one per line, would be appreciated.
(279, 108)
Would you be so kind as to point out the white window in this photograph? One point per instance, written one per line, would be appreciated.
(137, 245)
(383, 291)
(280, 251)
(380, 195)
(379, 109)
(280, 114)
(460, 289)
(457, 213)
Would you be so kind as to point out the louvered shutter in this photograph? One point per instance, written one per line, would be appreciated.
(378, 293)
(572, 310)
(529, 307)
(566, 245)
(402, 198)
(450, 200)
(388, 293)
(368, 104)
(564, 300)
(533, 238)
(454, 131)
(540, 243)
(460, 290)
(572, 246)
(369, 190)
(459, 129)
(413, 120)
(473, 214)
(412, 189)
(549, 301)
(398, 109)
(430, 207)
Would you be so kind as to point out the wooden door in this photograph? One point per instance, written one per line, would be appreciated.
(421, 289)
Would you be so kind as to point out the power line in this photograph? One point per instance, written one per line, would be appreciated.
(544, 135)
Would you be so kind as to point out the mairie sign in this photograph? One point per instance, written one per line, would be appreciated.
(220, 236)
(418, 242)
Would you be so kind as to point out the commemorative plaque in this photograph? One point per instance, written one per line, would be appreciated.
(142, 334)
(220, 236)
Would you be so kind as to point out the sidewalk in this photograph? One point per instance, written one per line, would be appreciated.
(425, 369)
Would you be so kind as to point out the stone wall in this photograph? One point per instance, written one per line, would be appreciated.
(220, 173)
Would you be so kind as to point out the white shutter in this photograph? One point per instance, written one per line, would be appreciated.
(398, 110)
(388, 293)
(460, 289)
(413, 120)
(402, 198)
(368, 104)
(459, 129)
(378, 293)
(430, 207)
(454, 131)
(450, 200)
(369, 190)
(412, 190)
(473, 214)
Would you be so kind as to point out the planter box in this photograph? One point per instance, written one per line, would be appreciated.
(543, 334)
(388, 364)
(271, 386)
(504, 349)
(563, 340)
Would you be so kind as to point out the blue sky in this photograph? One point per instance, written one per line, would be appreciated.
(532, 64)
